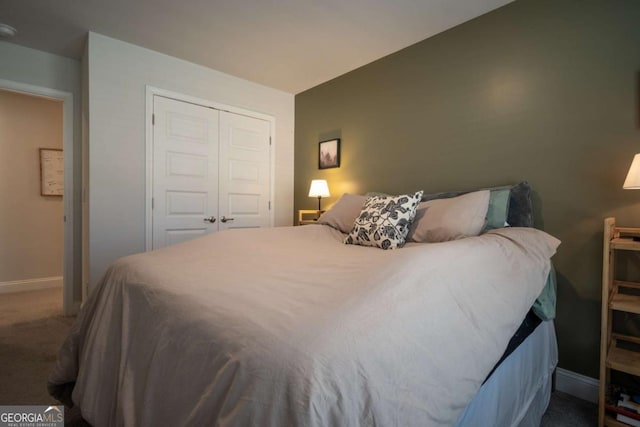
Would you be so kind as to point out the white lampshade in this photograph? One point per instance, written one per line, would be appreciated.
(633, 177)
(319, 188)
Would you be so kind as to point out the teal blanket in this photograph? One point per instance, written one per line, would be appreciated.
(545, 305)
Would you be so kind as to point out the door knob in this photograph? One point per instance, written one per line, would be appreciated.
(211, 219)
(225, 219)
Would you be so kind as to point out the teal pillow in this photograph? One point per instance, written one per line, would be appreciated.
(545, 305)
(519, 207)
(498, 209)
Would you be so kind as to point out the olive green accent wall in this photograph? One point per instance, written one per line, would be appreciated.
(539, 90)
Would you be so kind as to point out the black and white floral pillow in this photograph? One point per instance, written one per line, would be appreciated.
(384, 221)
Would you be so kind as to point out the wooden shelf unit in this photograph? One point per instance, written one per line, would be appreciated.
(613, 357)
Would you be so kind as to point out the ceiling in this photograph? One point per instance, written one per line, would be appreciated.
(291, 45)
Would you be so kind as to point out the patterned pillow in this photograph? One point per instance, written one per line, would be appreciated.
(384, 221)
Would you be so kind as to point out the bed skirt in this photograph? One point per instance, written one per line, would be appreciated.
(518, 392)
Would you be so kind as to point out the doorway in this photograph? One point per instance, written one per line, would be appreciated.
(31, 207)
(65, 101)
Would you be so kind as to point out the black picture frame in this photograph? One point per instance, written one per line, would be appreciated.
(329, 154)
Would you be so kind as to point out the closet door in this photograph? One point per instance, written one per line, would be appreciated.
(245, 176)
(185, 171)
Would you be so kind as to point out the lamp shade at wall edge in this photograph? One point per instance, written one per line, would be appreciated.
(632, 182)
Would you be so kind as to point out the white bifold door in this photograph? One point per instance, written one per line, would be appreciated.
(211, 171)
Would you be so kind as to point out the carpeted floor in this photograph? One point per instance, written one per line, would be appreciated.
(32, 329)
(568, 411)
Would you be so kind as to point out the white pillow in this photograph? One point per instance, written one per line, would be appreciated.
(384, 221)
(344, 212)
(441, 220)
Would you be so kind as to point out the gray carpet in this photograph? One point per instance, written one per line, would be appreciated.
(568, 411)
(32, 329)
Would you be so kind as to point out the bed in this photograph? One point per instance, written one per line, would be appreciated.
(290, 326)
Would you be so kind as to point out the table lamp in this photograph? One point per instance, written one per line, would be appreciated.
(319, 189)
(633, 176)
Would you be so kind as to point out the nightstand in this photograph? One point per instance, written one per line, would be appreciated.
(621, 296)
(308, 216)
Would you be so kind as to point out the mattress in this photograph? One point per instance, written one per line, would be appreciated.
(289, 326)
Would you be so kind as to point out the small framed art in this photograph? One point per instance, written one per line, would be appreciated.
(329, 154)
(51, 172)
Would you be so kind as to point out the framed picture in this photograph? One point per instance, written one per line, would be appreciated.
(329, 154)
(51, 172)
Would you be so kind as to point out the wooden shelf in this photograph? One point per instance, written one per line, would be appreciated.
(610, 420)
(625, 243)
(625, 302)
(623, 360)
(613, 357)
(627, 338)
(626, 284)
(628, 231)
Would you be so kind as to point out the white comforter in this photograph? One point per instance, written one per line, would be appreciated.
(288, 326)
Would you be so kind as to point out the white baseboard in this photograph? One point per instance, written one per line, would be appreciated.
(577, 385)
(30, 284)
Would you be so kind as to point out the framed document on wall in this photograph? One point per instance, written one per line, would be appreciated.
(51, 172)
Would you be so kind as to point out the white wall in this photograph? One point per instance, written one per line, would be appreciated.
(85, 170)
(37, 68)
(118, 73)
